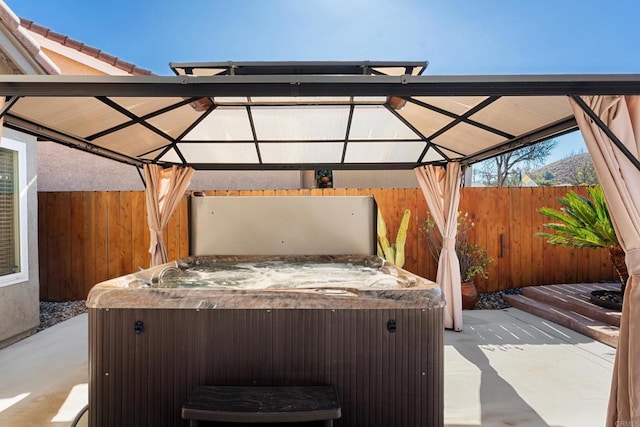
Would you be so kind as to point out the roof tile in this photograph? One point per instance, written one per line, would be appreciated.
(74, 44)
(91, 51)
(127, 66)
(105, 57)
(86, 49)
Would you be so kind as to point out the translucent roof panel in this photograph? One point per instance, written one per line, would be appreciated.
(77, 116)
(209, 72)
(518, 114)
(426, 121)
(376, 122)
(301, 152)
(171, 156)
(230, 100)
(370, 99)
(432, 156)
(467, 139)
(143, 106)
(155, 153)
(450, 154)
(399, 71)
(223, 124)
(301, 123)
(201, 71)
(457, 105)
(132, 140)
(175, 122)
(300, 100)
(391, 152)
(224, 152)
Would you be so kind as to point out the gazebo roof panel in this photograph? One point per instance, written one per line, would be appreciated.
(518, 114)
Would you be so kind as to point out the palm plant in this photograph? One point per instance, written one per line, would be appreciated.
(585, 223)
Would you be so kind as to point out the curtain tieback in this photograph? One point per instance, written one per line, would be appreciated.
(632, 259)
(155, 236)
(449, 243)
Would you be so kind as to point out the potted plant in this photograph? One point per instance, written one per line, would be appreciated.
(585, 223)
(474, 261)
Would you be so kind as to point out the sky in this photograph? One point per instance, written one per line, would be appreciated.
(457, 37)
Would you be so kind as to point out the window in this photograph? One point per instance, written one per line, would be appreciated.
(13, 213)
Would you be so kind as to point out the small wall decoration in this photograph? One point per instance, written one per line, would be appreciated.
(324, 178)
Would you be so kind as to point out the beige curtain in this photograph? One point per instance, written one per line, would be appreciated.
(441, 189)
(620, 180)
(165, 188)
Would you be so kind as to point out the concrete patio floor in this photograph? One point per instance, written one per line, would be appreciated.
(507, 368)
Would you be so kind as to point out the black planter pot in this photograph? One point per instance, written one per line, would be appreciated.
(607, 299)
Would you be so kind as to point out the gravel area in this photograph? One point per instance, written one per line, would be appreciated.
(56, 312)
(494, 301)
(52, 313)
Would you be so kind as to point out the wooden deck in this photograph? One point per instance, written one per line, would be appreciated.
(569, 306)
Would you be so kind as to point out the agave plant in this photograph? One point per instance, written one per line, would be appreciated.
(394, 253)
(585, 223)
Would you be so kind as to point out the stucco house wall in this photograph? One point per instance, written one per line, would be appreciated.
(20, 302)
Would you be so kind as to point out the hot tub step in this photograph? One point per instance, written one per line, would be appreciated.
(254, 404)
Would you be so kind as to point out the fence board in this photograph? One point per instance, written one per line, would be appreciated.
(114, 248)
(89, 237)
(516, 238)
(172, 235)
(481, 209)
(89, 254)
(125, 230)
(77, 220)
(549, 256)
(139, 232)
(43, 253)
(183, 209)
(64, 242)
(538, 245)
(53, 247)
(527, 239)
(561, 258)
(102, 241)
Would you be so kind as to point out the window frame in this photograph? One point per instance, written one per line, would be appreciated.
(21, 276)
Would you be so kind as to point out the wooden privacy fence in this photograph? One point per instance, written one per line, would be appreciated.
(89, 237)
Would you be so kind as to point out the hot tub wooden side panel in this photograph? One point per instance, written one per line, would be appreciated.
(383, 378)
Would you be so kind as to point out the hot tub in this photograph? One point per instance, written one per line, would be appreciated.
(373, 330)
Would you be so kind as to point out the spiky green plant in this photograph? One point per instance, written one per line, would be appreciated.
(394, 253)
(584, 222)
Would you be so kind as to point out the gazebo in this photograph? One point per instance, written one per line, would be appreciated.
(349, 115)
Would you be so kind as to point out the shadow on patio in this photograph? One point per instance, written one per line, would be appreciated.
(511, 368)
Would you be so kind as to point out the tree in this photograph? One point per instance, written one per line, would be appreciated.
(544, 180)
(503, 170)
(584, 174)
